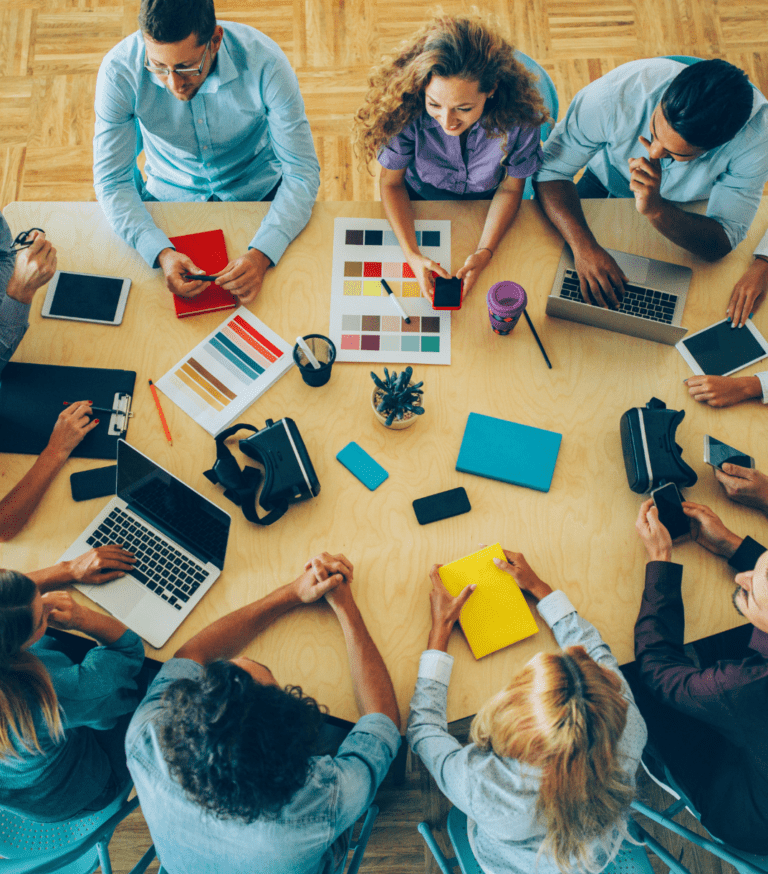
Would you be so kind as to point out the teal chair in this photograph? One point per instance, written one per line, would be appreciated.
(75, 846)
(358, 847)
(631, 858)
(549, 95)
(683, 59)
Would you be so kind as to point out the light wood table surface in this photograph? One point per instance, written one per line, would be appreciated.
(579, 537)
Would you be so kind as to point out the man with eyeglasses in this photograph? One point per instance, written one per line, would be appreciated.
(218, 112)
(665, 133)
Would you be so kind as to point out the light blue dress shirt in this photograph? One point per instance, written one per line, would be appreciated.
(243, 130)
(298, 840)
(498, 794)
(14, 315)
(601, 130)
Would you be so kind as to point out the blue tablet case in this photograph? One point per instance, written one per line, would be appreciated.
(358, 462)
(512, 453)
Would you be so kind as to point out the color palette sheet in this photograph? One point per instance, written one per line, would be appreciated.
(223, 375)
(365, 324)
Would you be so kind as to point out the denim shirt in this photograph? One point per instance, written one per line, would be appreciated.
(298, 840)
(14, 315)
(601, 130)
(243, 130)
(499, 794)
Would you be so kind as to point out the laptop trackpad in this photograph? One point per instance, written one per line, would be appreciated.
(635, 267)
(120, 596)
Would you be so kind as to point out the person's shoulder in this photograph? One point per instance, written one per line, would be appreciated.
(250, 45)
(644, 76)
(128, 53)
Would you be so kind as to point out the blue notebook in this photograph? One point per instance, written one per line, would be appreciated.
(509, 452)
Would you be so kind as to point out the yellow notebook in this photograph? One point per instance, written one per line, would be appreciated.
(496, 614)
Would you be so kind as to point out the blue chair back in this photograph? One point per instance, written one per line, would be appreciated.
(358, 847)
(683, 59)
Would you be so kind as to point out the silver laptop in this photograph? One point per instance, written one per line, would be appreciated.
(179, 539)
(653, 304)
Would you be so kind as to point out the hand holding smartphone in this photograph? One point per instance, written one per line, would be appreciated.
(447, 294)
(717, 453)
(669, 503)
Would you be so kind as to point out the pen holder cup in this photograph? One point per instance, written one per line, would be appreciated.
(506, 302)
(324, 351)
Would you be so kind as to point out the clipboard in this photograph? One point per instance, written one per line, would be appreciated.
(32, 397)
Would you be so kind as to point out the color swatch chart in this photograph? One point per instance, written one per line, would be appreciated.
(365, 324)
(224, 374)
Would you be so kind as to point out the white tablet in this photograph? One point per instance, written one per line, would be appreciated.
(721, 350)
(86, 297)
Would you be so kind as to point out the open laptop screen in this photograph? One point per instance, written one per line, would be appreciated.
(170, 505)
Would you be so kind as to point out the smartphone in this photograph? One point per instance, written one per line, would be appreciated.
(97, 483)
(443, 505)
(669, 504)
(718, 453)
(447, 293)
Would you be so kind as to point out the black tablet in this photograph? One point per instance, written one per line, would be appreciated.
(721, 350)
(86, 297)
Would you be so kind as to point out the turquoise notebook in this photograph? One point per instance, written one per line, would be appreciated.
(509, 452)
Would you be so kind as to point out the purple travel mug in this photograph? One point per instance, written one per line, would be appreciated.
(506, 302)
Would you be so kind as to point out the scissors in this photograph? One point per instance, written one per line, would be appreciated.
(24, 240)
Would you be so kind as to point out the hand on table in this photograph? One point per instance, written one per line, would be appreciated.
(472, 268)
(600, 275)
(70, 428)
(523, 574)
(34, 266)
(322, 574)
(707, 530)
(64, 612)
(744, 485)
(723, 391)
(244, 276)
(100, 565)
(645, 182)
(655, 537)
(445, 609)
(175, 265)
(423, 268)
(749, 293)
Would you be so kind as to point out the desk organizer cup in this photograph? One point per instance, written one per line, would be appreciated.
(324, 351)
(506, 302)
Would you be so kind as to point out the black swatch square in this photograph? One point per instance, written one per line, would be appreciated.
(430, 238)
(354, 238)
(374, 238)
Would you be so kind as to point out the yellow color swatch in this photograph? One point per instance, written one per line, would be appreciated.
(496, 614)
(411, 289)
(352, 286)
(372, 288)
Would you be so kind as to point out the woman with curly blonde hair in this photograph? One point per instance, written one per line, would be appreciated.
(453, 116)
(547, 781)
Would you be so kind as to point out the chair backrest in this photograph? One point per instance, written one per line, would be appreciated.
(683, 59)
(358, 847)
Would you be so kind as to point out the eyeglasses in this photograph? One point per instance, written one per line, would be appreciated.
(24, 240)
(181, 71)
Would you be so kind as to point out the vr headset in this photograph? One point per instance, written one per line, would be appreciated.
(651, 456)
(289, 476)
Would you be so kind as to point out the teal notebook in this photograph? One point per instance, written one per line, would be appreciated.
(509, 452)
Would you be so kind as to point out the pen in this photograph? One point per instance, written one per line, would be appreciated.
(308, 352)
(95, 409)
(536, 336)
(396, 302)
(160, 412)
(202, 277)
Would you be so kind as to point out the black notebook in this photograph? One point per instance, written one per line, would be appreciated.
(33, 395)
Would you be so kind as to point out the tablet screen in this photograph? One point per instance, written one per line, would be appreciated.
(722, 349)
(86, 297)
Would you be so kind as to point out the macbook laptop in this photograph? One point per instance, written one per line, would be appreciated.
(179, 539)
(653, 303)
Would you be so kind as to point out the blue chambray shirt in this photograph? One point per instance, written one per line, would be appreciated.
(243, 130)
(14, 315)
(601, 130)
(298, 840)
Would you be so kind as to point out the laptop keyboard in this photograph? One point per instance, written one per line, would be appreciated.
(159, 566)
(646, 303)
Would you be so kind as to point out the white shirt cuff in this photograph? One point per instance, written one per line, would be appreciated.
(763, 377)
(436, 665)
(554, 607)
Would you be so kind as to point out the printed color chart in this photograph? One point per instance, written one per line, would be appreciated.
(365, 325)
(224, 374)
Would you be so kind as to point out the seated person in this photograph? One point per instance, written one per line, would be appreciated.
(707, 716)
(222, 757)
(453, 116)
(725, 391)
(668, 134)
(220, 116)
(21, 274)
(528, 780)
(61, 742)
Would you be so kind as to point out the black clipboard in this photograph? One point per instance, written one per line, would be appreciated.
(32, 397)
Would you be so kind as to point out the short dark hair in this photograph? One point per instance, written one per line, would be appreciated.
(708, 103)
(239, 749)
(174, 20)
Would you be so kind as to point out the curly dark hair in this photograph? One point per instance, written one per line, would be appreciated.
(168, 21)
(239, 749)
(468, 47)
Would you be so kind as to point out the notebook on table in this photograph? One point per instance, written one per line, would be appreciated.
(506, 451)
(179, 539)
(652, 307)
(209, 252)
(496, 614)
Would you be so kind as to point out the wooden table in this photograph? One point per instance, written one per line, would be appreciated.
(579, 537)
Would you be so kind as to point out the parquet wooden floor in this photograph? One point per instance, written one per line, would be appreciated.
(49, 56)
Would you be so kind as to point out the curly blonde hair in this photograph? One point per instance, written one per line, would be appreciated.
(468, 47)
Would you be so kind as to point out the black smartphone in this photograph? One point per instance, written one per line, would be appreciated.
(96, 483)
(669, 504)
(447, 294)
(443, 505)
(718, 453)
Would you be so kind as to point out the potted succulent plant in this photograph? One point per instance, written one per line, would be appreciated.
(396, 400)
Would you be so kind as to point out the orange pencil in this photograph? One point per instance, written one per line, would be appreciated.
(160, 412)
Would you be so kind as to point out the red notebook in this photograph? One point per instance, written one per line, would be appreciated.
(209, 252)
